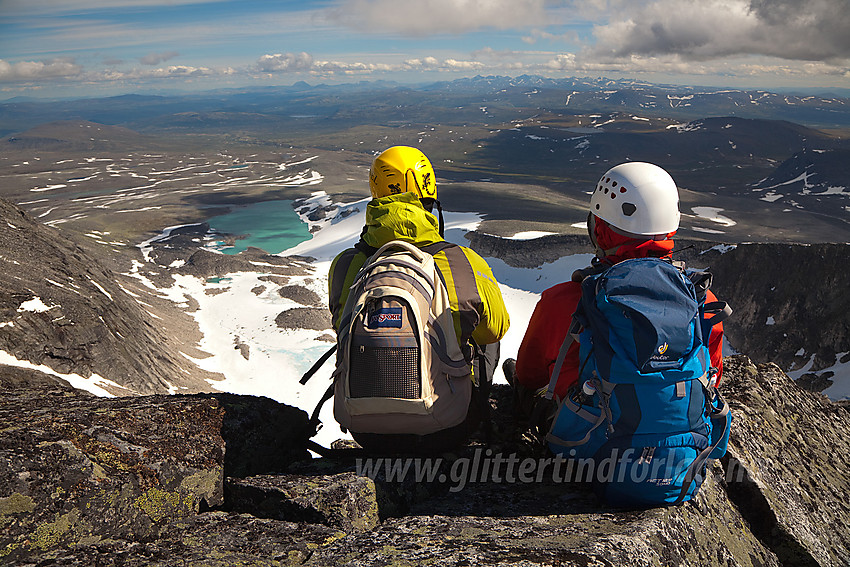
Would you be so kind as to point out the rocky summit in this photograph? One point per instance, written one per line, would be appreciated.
(213, 479)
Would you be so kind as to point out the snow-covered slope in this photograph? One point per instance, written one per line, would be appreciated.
(237, 314)
(241, 309)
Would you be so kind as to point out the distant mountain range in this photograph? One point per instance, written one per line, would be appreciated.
(777, 163)
(375, 101)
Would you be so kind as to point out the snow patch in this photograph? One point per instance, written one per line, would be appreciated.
(840, 389)
(722, 248)
(48, 188)
(100, 287)
(530, 235)
(93, 384)
(34, 305)
(713, 214)
(707, 230)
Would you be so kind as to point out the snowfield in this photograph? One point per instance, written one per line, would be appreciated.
(241, 310)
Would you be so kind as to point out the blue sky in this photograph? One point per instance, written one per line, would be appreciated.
(55, 48)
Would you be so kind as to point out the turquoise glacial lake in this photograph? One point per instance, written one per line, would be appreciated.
(271, 225)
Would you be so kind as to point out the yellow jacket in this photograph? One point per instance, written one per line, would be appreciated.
(477, 305)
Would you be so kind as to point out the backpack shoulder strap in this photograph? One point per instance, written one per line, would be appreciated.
(436, 247)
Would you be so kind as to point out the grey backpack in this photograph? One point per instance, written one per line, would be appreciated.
(399, 368)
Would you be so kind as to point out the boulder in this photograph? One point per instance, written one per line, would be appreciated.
(78, 471)
(346, 501)
(304, 318)
(141, 481)
(787, 465)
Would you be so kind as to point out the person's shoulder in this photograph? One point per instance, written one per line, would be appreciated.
(347, 258)
(347, 252)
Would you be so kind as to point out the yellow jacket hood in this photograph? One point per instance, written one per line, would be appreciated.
(400, 217)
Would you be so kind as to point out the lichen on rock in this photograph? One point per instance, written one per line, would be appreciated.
(142, 481)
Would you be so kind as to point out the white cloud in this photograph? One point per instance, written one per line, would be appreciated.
(35, 70)
(464, 65)
(285, 62)
(434, 17)
(304, 62)
(182, 71)
(334, 67)
(430, 63)
(674, 64)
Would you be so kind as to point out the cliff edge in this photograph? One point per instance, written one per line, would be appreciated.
(224, 479)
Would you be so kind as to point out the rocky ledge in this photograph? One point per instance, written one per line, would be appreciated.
(225, 480)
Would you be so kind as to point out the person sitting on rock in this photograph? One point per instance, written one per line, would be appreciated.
(638, 227)
(404, 191)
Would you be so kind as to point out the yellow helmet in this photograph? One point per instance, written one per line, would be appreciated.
(402, 169)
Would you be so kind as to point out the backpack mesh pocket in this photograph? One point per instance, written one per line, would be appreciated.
(385, 372)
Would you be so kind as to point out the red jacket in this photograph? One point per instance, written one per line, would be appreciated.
(548, 325)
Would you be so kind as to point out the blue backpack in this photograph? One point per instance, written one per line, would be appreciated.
(645, 416)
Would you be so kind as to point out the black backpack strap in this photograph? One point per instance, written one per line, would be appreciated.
(314, 419)
(719, 311)
(482, 384)
(337, 454)
(317, 365)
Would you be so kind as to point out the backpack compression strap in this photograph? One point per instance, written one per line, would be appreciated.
(721, 412)
(572, 333)
(719, 311)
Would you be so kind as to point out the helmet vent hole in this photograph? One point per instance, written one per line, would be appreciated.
(606, 190)
(622, 189)
(613, 195)
(597, 206)
(614, 184)
(629, 209)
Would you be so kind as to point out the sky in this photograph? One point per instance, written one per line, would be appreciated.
(83, 48)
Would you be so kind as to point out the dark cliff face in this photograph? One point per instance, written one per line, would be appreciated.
(791, 301)
(60, 307)
(223, 480)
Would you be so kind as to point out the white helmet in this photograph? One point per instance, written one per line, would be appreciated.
(638, 198)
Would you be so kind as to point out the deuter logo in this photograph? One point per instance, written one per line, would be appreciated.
(386, 317)
(659, 353)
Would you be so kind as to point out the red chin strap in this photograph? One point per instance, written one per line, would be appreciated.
(614, 246)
